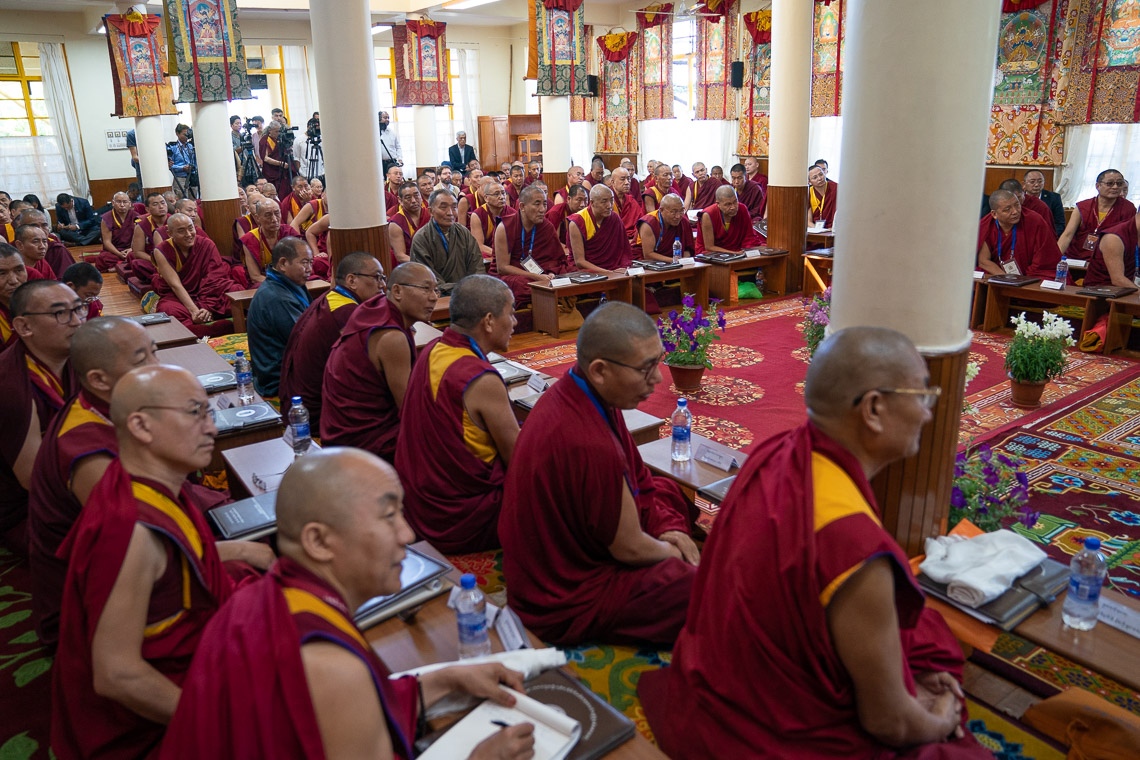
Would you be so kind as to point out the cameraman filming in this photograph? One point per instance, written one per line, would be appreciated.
(276, 152)
(389, 144)
(184, 163)
(314, 154)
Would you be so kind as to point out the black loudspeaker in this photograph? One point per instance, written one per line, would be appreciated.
(592, 85)
(736, 78)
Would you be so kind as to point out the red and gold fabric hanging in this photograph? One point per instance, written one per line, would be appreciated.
(617, 90)
(138, 56)
(716, 50)
(752, 137)
(423, 69)
(827, 58)
(656, 51)
(557, 54)
(583, 107)
(207, 51)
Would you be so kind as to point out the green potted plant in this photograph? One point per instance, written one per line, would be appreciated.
(816, 320)
(686, 337)
(1036, 355)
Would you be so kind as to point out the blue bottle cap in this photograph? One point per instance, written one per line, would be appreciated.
(682, 402)
(296, 401)
(467, 581)
(240, 354)
(1092, 543)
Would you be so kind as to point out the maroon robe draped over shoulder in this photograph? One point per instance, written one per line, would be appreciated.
(629, 209)
(664, 235)
(190, 591)
(358, 409)
(736, 237)
(605, 244)
(58, 256)
(704, 192)
(680, 186)
(1036, 252)
(571, 463)
(541, 244)
(243, 225)
(206, 279)
(308, 349)
(653, 194)
(7, 332)
(247, 696)
(40, 270)
(488, 222)
(800, 518)
(1122, 210)
(253, 242)
(452, 494)
(557, 216)
(751, 196)
(1039, 207)
(1097, 272)
(826, 210)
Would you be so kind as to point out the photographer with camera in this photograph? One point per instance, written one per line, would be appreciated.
(277, 161)
(389, 144)
(314, 154)
(183, 163)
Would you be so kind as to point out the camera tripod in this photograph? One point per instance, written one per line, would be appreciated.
(314, 158)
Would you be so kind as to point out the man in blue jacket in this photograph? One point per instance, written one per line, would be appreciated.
(278, 304)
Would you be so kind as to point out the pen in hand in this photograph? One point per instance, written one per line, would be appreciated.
(501, 723)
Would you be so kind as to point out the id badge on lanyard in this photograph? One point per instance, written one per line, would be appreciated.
(1011, 267)
(1091, 241)
(530, 265)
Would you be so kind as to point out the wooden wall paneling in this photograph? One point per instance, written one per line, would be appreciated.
(787, 227)
(159, 189)
(494, 140)
(995, 175)
(218, 220)
(103, 189)
(372, 240)
(555, 181)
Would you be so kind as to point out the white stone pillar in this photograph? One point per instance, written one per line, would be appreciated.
(556, 133)
(791, 93)
(427, 146)
(214, 150)
(346, 79)
(899, 263)
(151, 143)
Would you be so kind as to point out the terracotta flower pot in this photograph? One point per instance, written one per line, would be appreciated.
(1026, 395)
(686, 378)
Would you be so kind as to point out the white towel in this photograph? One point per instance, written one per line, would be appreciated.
(980, 569)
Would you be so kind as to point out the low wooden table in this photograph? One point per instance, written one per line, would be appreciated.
(1121, 312)
(642, 426)
(544, 298)
(442, 310)
(694, 279)
(825, 238)
(198, 358)
(724, 277)
(817, 270)
(692, 475)
(240, 300)
(999, 296)
(170, 334)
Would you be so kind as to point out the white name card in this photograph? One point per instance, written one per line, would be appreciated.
(559, 282)
(1052, 285)
(635, 271)
(223, 402)
(536, 383)
(688, 261)
(979, 275)
(752, 253)
(1120, 617)
(722, 460)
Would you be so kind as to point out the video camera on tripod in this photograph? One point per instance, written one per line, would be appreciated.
(287, 136)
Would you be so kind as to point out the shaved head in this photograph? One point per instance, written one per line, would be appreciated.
(409, 271)
(999, 197)
(304, 494)
(160, 385)
(850, 363)
(351, 264)
(672, 200)
(112, 346)
(530, 192)
(476, 296)
(725, 192)
(600, 193)
(610, 330)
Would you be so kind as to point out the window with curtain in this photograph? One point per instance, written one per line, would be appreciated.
(1105, 146)
(30, 157)
(684, 67)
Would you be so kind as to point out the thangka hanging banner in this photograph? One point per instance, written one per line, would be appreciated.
(656, 25)
(716, 49)
(137, 59)
(422, 65)
(753, 130)
(617, 88)
(557, 57)
(207, 50)
(1104, 73)
(582, 107)
(827, 58)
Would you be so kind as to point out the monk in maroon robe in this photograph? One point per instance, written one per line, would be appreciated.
(528, 237)
(830, 652)
(702, 193)
(1107, 209)
(37, 381)
(726, 226)
(486, 218)
(192, 281)
(56, 256)
(13, 274)
(32, 243)
(404, 220)
(457, 430)
(142, 240)
(597, 235)
(627, 206)
(1116, 260)
(750, 194)
(276, 663)
(359, 278)
(681, 183)
(296, 200)
(1011, 240)
(275, 159)
(514, 185)
(118, 228)
(366, 377)
(659, 230)
(559, 213)
(258, 243)
(823, 195)
(243, 225)
(660, 187)
(596, 548)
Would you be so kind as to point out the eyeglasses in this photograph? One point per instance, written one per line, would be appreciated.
(426, 288)
(378, 276)
(646, 370)
(1114, 183)
(62, 316)
(200, 411)
(928, 397)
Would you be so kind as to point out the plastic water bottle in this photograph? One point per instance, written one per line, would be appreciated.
(243, 373)
(299, 422)
(1086, 574)
(471, 610)
(1062, 275)
(677, 251)
(682, 424)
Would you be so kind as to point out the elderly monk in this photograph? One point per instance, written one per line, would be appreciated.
(292, 203)
(282, 672)
(259, 242)
(533, 171)
(823, 195)
(1107, 209)
(275, 159)
(406, 222)
(658, 230)
(13, 274)
(117, 228)
(597, 236)
(472, 196)
(358, 278)
(192, 280)
(244, 224)
(1115, 261)
(457, 415)
(576, 199)
(446, 248)
(311, 212)
(37, 381)
(187, 207)
(527, 248)
(1014, 242)
(7, 229)
(486, 218)
(749, 193)
(32, 243)
(366, 378)
(144, 575)
(275, 309)
(597, 173)
(853, 665)
(142, 240)
(1029, 203)
(701, 194)
(627, 204)
(1034, 183)
(653, 193)
(596, 548)
(726, 226)
(634, 183)
(58, 256)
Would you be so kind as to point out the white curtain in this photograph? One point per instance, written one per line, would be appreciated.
(469, 82)
(583, 138)
(301, 92)
(61, 109)
(712, 142)
(1092, 148)
(1068, 182)
(825, 136)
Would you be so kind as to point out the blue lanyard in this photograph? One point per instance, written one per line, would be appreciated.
(522, 239)
(475, 348)
(1013, 243)
(299, 292)
(581, 383)
(442, 237)
(346, 293)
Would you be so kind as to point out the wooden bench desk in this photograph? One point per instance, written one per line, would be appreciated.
(692, 475)
(544, 298)
(724, 277)
(1121, 312)
(170, 334)
(817, 271)
(825, 238)
(978, 305)
(240, 300)
(198, 358)
(643, 427)
(442, 310)
(999, 296)
(694, 279)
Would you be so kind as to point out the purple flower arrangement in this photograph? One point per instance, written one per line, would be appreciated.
(817, 319)
(990, 490)
(686, 335)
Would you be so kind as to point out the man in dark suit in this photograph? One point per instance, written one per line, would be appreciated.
(460, 154)
(76, 222)
(1034, 184)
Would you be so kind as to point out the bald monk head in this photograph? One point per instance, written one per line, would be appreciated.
(267, 214)
(700, 172)
(411, 201)
(532, 206)
(672, 209)
(270, 191)
(46, 314)
(662, 178)
(817, 177)
(1006, 208)
(293, 260)
(360, 274)
(619, 181)
(164, 424)
(473, 178)
(31, 241)
(16, 206)
(13, 273)
(619, 351)
(867, 388)
(182, 232)
(601, 202)
(121, 203)
(170, 199)
(483, 308)
(105, 349)
(301, 189)
(495, 196)
(576, 198)
(5, 215)
(395, 176)
(517, 175)
(727, 202)
(414, 290)
(188, 207)
(575, 175)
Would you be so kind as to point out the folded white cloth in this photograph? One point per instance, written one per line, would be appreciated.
(980, 569)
